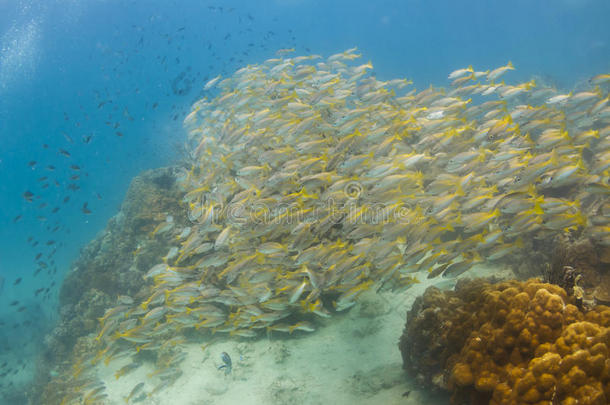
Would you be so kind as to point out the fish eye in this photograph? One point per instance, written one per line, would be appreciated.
(517, 179)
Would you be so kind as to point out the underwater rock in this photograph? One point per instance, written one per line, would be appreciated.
(509, 343)
(581, 268)
(110, 265)
(105, 259)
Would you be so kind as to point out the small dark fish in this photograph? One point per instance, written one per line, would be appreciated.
(98, 195)
(50, 167)
(17, 281)
(64, 152)
(38, 291)
(45, 146)
(38, 256)
(17, 218)
(43, 178)
(32, 163)
(50, 242)
(21, 309)
(87, 138)
(155, 105)
(85, 209)
(55, 210)
(120, 134)
(75, 167)
(14, 303)
(66, 199)
(227, 363)
(28, 195)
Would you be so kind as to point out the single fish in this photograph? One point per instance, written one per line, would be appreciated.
(28, 196)
(134, 392)
(228, 364)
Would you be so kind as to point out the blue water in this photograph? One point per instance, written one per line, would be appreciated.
(110, 81)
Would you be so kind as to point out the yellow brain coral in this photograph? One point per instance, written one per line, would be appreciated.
(528, 345)
(535, 348)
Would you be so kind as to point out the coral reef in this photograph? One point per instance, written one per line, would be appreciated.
(509, 343)
(310, 182)
(110, 265)
(437, 328)
(582, 268)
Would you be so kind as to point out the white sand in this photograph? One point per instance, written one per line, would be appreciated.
(352, 358)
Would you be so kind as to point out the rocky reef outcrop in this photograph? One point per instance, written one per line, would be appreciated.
(109, 266)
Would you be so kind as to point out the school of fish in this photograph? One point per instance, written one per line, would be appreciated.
(311, 181)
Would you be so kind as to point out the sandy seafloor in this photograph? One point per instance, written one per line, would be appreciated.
(352, 358)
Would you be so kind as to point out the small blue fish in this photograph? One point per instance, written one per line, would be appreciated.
(226, 359)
